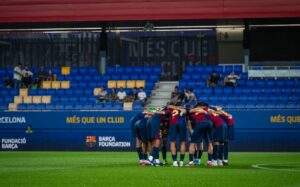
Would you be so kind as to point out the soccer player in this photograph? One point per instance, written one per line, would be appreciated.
(200, 128)
(218, 137)
(174, 112)
(229, 133)
(164, 131)
(141, 136)
(153, 127)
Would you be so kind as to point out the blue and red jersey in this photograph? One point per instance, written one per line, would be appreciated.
(174, 116)
(217, 120)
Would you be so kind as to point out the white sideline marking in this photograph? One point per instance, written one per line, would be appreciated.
(263, 166)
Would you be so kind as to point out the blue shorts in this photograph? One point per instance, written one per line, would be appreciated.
(141, 130)
(219, 133)
(153, 130)
(173, 132)
(230, 132)
(202, 131)
(182, 130)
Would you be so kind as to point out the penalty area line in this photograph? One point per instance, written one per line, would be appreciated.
(265, 167)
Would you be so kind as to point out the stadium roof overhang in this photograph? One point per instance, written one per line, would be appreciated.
(16, 14)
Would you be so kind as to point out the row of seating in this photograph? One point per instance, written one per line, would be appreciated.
(89, 106)
(253, 99)
(217, 68)
(267, 92)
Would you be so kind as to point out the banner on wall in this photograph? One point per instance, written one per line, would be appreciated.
(110, 131)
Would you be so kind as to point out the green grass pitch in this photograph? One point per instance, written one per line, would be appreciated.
(72, 169)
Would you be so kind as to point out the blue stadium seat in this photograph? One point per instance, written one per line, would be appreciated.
(87, 78)
(50, 107)
(270, 83)
(201, 84)
(214, 99)
(78, 106)
(83, 70)
(110, 70)
(156, 69)
(69, 107)
(59, 107)
(186, 77)
(190, 69)
(199, 69)
(228, 91)
(41, 92)
(64, 100)
(60, 92)
(93, 84)
(120, 69)
(207, 91)
(78, 78)
(147, 69)
(78, 92)
(98, 106)
(264, 99)
(280, 83)
(197, 92)
(243, 99)
(115, 76)
(73, 99)
(128, 70)
(191, 84)
(260, 83)
(31, 106)
(218, 69)
(83, 85)
(69, 92)
(290, 83)
(196, 76)
(40, 106)
(153, 78)
(238, 91)
(230, 106)
(143, 77)
(125, 77)
(14, 92)
(97, 77)
(254, 99)
(118, 106)
(74, 70)
(60, 77)
(268, 91)
(22, 107)
(257, 91)
(224, 99)
(108, 106)
(69, 78)
(4, 92)
(8, 99)
(83, 99)
(234, 99)
(92, 70)
(88, 92)
(138, 69)
(273, 99)
(3, 106)
(32, 92)
(134, 77)
(137, 106)
(106, 77)
(55, 100)
(92, 99)
(291, 105)
(218, 91)
(241, 83)
(251, 83)
(280, 106)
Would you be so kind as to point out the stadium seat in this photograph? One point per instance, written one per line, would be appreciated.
(78, 106)
(124, 77)
(40, 106)
(59, 107)
(22, 107)
(64, 100)
(78, 92)
(112, 84)
(31, 107)
(46, 99)
(60, 92)
(140, 83)
(130, 84)
(27, 99)
(55, 84)
(23, 92)
(118, 106)
(65, 70)
(134, 77)
(69, 107)
(128, 69)
(121, 84)
(13, 92)
(46, 85)
(120, 69)
(110, 70)
(147, 69)
(36, 99)
(156, 69)
(115, 76)
(98, 106)
(50, 106)
(18, 99)
(137, 106)
(65, 84)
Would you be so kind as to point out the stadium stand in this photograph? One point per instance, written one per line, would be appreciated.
(75, 88)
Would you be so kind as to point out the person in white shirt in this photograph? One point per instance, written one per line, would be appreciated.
(121, 95)
(231, 79)
(18, 76)
(142, 96)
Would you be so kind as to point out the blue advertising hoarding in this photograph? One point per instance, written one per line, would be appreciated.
(110, 131)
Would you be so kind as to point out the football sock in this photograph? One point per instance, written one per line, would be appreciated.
(181, 157)
(191, 157)
(145, 156)
(215, 152)
(174, 157)
(200, 152)
(226, 151)
(164, 152)
(209, 156)
(155, 152)
(139, 152)
(221, 152)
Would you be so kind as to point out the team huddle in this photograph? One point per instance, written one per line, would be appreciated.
(202, 124)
